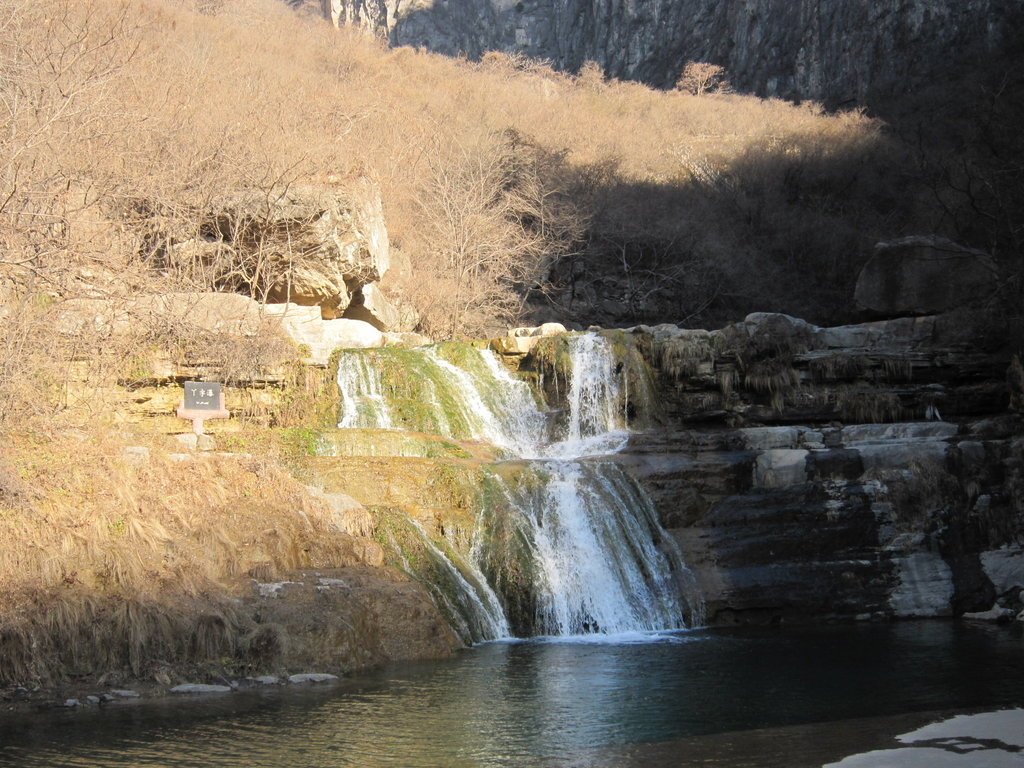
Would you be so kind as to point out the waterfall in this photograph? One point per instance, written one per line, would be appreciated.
(594, 427)
(472, 603)
(497, 408)
(362, 402)
(456, 391)
(591, 538)
(574, 546)
(594, 391)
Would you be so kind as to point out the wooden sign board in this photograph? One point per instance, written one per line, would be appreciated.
(203, 400)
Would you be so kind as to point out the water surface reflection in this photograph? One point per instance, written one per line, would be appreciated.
(710, 697)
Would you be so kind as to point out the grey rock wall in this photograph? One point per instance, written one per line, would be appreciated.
(860, 472)
(879, 524)
(839, 51)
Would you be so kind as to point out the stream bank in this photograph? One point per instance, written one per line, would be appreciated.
(769, 472)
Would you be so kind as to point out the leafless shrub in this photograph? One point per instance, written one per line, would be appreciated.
(505, 63)
(492, 228)
(701, 77)
(591, 77)
(266, 644)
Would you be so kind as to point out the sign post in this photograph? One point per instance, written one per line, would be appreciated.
(203, 400)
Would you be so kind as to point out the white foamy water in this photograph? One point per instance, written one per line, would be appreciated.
(594, 391)
(486, 606)
(498, 409)
(600, 562)
(594, 546)
(363, 404)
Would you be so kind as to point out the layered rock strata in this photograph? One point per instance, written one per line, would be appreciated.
(859, 472)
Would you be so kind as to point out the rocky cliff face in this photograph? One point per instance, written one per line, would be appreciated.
(786, 505)
(833, 50)
(863, 472)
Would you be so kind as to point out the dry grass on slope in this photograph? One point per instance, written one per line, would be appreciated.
(109, 563)
(125, 119)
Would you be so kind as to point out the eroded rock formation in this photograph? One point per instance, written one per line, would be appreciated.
(313, 245)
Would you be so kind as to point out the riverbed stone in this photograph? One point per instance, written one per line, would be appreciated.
(312, 677)
(995, 614)
(262, 680)
(1004, 568)
(199, 689)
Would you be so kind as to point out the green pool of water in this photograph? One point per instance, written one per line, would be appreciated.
(794, 696)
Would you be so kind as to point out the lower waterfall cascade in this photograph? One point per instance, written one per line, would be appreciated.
(566, 543)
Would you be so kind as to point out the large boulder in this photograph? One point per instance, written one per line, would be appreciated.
(924, 275)
(351, 334)
(521, 341)
(371, 306)
(1004, 568)
(319, 338)
(312, 245)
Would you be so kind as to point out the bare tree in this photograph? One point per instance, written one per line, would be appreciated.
(700, 77)
(492, 226)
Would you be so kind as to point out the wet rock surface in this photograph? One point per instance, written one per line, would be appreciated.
(786, 505)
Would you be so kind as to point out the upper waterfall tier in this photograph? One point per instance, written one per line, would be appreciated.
(461, 392)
